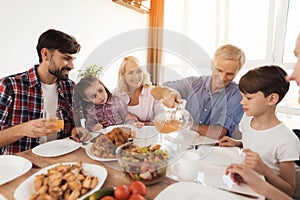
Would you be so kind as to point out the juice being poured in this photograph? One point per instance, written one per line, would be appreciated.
(167, 126)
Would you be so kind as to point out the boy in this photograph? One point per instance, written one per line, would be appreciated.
(262, 89)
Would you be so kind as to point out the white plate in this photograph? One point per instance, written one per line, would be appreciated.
(12, 167)
(220, 155)
(26, 189)
(202, 140)
(92, 156)
(56, 148)
(193, 191)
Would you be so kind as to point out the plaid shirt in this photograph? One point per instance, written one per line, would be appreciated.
(21, 100)
(113, 112)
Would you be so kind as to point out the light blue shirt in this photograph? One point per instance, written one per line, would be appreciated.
(219, 108)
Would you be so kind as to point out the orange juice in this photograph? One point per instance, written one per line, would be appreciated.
(59, 123)
(168, 126)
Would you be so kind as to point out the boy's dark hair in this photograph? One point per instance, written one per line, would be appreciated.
(265, 79)
(57, 40)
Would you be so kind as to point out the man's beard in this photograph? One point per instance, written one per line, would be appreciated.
(58, 72)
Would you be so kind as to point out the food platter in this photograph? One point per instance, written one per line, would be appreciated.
(92, 156)
(26, 189)
(179, 141)
(145, 134)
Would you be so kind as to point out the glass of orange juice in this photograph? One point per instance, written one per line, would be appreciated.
(57, 119)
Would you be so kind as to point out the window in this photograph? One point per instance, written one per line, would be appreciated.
(292, 30)
(248, 24)
(266, 31)
(249, 27)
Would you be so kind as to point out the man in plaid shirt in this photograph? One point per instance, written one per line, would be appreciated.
(24, 96)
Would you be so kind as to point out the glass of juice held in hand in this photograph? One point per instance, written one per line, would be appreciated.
(57, 119)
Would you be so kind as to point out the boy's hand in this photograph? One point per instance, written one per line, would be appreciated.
(253, 161)
(227, 142)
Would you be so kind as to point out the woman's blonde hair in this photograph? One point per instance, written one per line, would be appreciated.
(230, 52)
(122, 85)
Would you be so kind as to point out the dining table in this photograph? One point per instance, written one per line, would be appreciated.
(114, 178)
(212, 163)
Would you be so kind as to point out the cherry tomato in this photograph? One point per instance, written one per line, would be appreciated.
(136, 197)
(108, 198)
(121, 192)
(138, 187)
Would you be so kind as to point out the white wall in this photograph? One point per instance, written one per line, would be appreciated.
(90, 21)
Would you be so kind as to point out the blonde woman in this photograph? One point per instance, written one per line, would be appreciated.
(134, 88)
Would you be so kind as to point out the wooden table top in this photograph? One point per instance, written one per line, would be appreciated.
(114, 177)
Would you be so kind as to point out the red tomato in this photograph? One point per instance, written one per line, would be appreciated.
(138, 187)
(108, 198)
(121, 192)
(136, 197)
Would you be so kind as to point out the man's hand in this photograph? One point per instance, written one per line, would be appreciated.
(168, 96)
(80, 134)
(37, 128)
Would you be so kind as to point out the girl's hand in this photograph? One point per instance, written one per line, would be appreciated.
(253, 161)
(227, 142)
(133, 117)
(240, 173)
(139, 124)
(97, 127)
(236, 172)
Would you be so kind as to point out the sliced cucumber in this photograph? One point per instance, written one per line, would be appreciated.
(101, 193)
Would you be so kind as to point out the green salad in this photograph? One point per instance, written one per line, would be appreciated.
(147, 164)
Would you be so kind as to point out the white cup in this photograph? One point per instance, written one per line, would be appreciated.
(186, 168)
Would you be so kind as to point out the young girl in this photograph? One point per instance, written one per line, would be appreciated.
(270, 147)
(101, 108)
